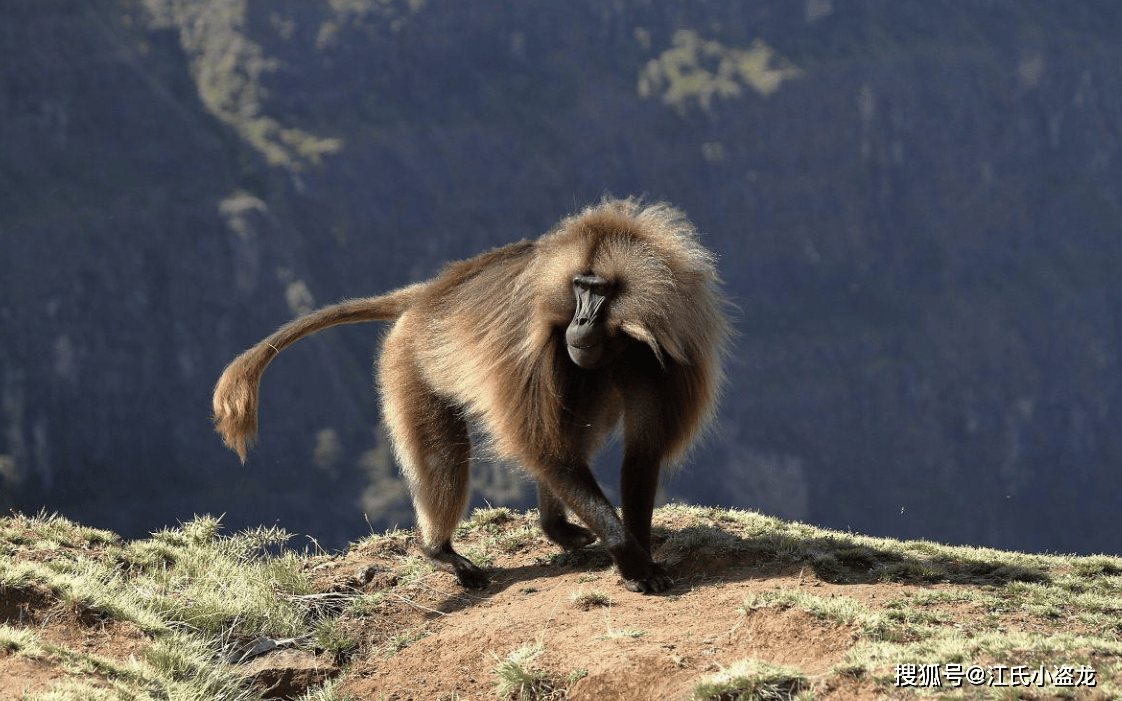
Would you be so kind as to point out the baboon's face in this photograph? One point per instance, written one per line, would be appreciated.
(588, 337)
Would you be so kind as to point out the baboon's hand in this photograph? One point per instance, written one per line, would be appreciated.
(658, 581)
(569, 535)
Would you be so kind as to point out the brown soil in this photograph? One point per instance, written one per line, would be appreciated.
(74, 627)
(635, 647)
(429, 639)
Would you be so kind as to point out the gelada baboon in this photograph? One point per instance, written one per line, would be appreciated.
(613, 317)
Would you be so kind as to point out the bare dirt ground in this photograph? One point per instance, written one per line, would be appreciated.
(629, 647)
(420, 636)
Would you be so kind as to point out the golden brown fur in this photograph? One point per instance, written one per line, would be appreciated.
(484, 343)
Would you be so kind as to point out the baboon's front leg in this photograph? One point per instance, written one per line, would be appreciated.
(557, 526)
(576, 488)
(638, 485)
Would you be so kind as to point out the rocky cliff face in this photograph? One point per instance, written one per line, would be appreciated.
(917, 209)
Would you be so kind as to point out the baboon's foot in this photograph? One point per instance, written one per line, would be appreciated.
(568, 535)
(469, 575)
(652, 585)
(642, 574)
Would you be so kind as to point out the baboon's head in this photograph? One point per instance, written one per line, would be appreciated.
(622, 274)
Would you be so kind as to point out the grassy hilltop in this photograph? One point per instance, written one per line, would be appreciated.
(762, 609)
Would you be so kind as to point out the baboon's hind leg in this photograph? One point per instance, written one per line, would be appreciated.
(434, 449)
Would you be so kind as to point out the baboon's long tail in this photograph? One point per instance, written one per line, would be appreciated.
(235, 394)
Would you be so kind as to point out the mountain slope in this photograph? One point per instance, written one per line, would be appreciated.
(915, 204)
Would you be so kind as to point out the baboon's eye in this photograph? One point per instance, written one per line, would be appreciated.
(594, 284)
